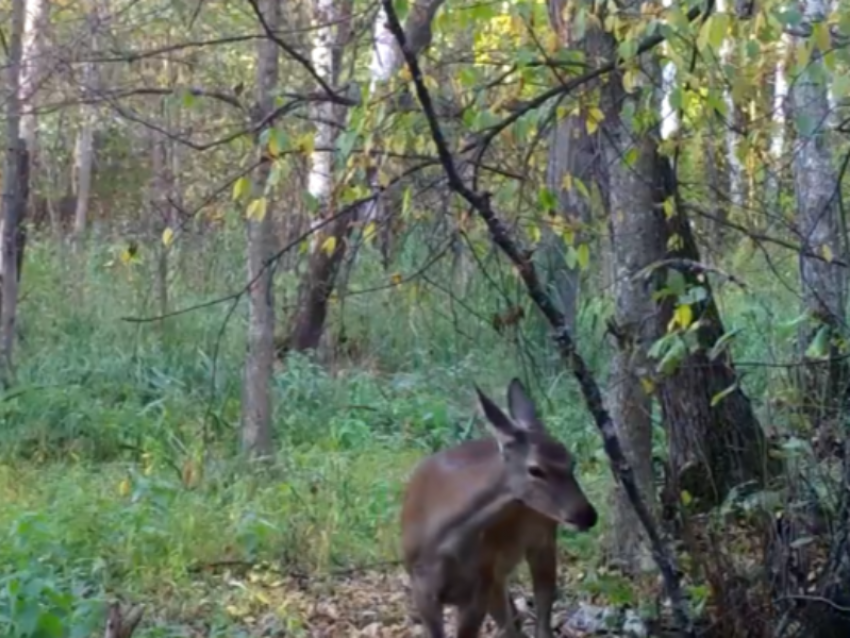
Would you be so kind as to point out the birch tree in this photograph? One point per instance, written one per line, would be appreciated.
(23, 74)
(329, 248)
(824, 282)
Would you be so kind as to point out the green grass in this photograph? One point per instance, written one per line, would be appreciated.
(119, 471)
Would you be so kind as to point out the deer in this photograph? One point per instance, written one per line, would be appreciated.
(470, 513)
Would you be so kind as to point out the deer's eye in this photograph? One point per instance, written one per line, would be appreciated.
(536, 472)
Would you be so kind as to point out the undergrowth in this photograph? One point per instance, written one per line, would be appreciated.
(120, 473)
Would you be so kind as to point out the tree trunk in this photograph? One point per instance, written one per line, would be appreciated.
(715, 441)
(736, 175)
(572, 156)
(256, 386)
(329, 247)
(818, 220)
(84, 155)
(23, 72)
(638, 237)
(777, 142)
(329, 243)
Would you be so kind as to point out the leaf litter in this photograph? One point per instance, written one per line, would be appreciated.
(262, 602)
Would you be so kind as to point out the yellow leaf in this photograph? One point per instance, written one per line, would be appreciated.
(668, 207)
(307, 143)
(827, 252)
(594, 118)
(241, 187)
(683, 316)
(558, 225)
(167, 236)
(820, 33)
(125, 256)
(647, 384)
(329, 245)
(274, 149)
(686, 497)
(583, 256)
(124, 487)
(370, 231)
(534, 232)
(567, 182)
(630, 80)
(396, 279)
(257, 209)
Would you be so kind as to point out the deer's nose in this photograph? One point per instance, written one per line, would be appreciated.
(586, 518)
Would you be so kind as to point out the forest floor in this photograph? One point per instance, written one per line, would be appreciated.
(372, 603)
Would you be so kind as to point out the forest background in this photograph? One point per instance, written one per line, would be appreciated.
(256, 254)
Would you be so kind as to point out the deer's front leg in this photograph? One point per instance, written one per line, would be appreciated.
(543, 563)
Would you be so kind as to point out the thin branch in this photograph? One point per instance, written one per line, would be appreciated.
(235, 296)
(525, 267)
(567, 87)
(303, 61)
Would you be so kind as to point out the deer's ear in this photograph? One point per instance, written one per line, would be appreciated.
(522, 408)
(499, 424)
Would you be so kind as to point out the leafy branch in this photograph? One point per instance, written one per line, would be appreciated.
(521, 259)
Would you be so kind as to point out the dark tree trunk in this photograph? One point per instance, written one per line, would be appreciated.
(715, 440)
(309, 322)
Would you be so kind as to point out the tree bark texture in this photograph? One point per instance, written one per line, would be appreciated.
(575, 155)
(256, 387)
(824, 283)
(308, 325)
(84, 155)
(638, 238)
(715, 440)
(22, 71)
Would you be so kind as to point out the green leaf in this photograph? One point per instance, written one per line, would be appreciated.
(676, 282)
(345, 144)
(547, 200)
(695, 294)
(716, 28)
(188, 98)
(819, 347)
(402, 7)
(717, 398)
(571, 258)
(674, 356)
(467, 74)
(790, 17)
(820, 33)
(51, 625)
(841, 86)
(722, 344)
(657, 349)
(405, 201)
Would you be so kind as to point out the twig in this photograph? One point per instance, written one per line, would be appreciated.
(686, 264)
